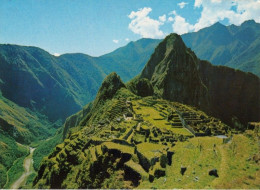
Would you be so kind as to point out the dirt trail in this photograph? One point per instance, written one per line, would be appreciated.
(28, 169)
(223, 166)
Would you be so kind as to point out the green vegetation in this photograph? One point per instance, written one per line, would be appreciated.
(27, 126)
(141, 143)
(45, 148)
(234, 162)
(128, 134)
(15, 171)
(3, 175)
(11, 155)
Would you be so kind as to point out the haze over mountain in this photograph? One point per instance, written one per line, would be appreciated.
(60, 86)
(233, 46)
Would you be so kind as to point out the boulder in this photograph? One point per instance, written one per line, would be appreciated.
(169, 156)
(163, 160)
(213, 172)
(159, 172)
(183, 170)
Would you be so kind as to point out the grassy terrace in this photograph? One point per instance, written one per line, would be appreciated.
(121, 148)
(234, 162)
(138, 168)
(152, 115)
(150, 150)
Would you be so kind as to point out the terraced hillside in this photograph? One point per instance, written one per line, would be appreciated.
(126, 141)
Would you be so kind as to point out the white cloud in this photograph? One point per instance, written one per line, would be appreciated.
(182, 4)
(127, 39)
(217, 10)
(56, 54)
(162, 18)
(143, 25)
(212, 11)
(116, 41)
(170, 19)
(180, 25)
(172, 12)
(198, 3)
(235, 11)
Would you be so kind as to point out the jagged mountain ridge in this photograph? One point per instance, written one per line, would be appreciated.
(232, 46)
(178, 75)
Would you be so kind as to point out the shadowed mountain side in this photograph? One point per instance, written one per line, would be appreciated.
(232, 93)
(33, 78)
(60, 86)
(178, 75)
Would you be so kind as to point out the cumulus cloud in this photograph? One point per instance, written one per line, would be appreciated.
(235, 11)
(116, 41)
(170, 19)
(143, 25)
(162, 18)
(212, 11)
(127, 39)
(180, 25)
(182, 4)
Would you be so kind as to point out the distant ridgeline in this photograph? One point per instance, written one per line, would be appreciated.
(128, 135)
(232, 46)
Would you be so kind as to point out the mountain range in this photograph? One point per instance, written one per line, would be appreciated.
(232, 46)
(41, 78)
(167, 80)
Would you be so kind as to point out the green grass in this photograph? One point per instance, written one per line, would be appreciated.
(138, 168)
(153, 116)
(150, 150)
(200, 155)
(122, 148)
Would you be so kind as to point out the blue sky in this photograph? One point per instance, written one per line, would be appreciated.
(96, 27)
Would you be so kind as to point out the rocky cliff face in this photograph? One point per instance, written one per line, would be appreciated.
(232, 93)
(178, 75)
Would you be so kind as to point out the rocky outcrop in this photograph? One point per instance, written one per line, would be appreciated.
(141, 87)
(111, 84)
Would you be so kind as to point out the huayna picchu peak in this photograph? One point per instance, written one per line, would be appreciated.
(177, 74)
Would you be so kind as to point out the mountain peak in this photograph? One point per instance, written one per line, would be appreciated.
(111, 84)
(171, 46)
(172, 70)
(252, 21)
